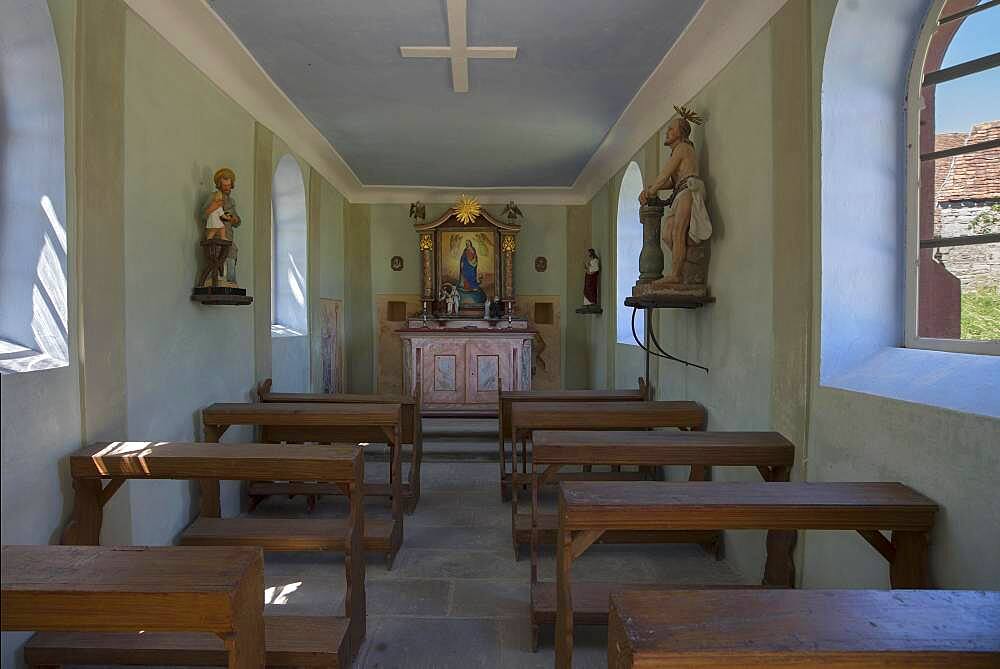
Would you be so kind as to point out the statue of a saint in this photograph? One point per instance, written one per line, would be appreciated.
(469, 264)
(591, 278)
(687, 222)
(220, 218)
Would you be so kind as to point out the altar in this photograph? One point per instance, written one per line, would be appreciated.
(459, 365)
(466, 344)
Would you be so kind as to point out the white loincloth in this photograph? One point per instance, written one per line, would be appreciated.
(700, 227)
(214, 220)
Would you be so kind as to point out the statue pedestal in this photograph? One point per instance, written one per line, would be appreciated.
(651, 256)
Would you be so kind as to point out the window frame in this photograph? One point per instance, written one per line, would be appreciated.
(913, 107)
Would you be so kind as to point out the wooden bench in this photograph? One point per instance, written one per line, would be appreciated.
(213, 594)
(323, 423)
(411, 432)
(589, 509)
(526, 417)
(769, 452)
(804, 628)
(328, 639)
(507, 397)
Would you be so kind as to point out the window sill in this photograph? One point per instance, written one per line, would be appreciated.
(956, 381)
(283, 331)
(17, 359)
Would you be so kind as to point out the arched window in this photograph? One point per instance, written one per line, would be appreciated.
(629, 245)
(34, 318)
(288, 263)
(953, 280)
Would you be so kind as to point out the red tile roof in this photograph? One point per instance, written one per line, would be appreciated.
(971, 176)
(942, 141)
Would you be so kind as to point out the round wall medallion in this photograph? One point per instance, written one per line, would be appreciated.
(541, 264)
(396, 263)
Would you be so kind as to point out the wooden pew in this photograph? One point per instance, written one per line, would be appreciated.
(589, 509)
(327, 639)
(214, 595)
(769, 452)
(804, 628)
(527, 417)
(508, 397)
(323, 423)
(411, 431)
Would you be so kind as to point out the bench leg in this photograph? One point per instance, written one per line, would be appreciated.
(908, 568)
(84, 528)
(564, 600)
(779, 568)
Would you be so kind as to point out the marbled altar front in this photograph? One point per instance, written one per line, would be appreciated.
(460, 364)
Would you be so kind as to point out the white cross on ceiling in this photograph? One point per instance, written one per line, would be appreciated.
(458, 48)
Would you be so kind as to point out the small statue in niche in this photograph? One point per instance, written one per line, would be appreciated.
(220, 218)
(486, 308)
(687, 227)
(591, 283)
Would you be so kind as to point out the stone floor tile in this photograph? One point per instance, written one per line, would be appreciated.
(460, 563)
(432, 643)
(408, 597)
(491, 599)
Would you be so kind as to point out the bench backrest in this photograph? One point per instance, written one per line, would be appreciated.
(661, 447)
(529, 416)
(409, 407)
(231, 462)
(507, 397)
(751, 506)
(772, 627)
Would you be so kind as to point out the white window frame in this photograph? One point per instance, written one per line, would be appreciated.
(914, 105)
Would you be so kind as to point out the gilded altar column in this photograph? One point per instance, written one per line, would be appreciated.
(426, 264)
(508, 246)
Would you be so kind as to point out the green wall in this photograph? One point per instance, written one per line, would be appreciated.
(179, 129)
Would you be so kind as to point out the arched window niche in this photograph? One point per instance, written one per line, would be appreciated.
(628, 246)
(34, 311)
(868, 134)
(288, 261)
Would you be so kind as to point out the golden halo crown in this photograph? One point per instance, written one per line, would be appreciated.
(689, 115)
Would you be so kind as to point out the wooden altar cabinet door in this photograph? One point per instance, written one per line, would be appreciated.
(488, 365)
(443, 372)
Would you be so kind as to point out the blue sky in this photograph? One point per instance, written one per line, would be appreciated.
(963, 102)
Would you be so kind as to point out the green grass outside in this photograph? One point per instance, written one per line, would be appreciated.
(981, 314)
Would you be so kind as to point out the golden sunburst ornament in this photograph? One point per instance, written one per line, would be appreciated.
(467, 209)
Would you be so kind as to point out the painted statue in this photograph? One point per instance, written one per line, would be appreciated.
(220, 218)
(447, 295)
(469, 268)
(687, 225)
(591, 278)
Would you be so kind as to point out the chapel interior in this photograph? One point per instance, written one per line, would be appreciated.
(500, 333)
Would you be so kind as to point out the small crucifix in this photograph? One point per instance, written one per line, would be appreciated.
(458, 49)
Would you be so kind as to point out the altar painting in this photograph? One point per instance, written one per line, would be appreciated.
(468, 260)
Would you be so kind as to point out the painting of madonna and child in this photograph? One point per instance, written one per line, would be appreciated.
(468, 260)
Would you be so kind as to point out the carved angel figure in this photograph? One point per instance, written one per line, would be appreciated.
(512, 211)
